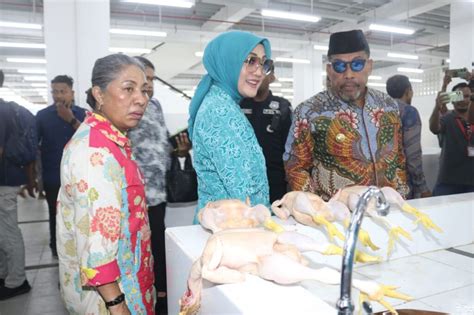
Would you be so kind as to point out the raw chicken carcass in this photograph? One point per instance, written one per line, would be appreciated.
(308, 209)
(350, 195)
(229, 255)
(311, 210)
(233, 213)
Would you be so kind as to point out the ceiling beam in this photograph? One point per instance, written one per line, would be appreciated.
(225, 17)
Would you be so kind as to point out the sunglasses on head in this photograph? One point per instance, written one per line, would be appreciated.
(356, 65)
(253, 62)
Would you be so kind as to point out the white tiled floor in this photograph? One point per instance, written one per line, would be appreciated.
(44, 298)
(42, 273)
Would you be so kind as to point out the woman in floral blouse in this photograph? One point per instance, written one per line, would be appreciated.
(227, 157)
(103, 236)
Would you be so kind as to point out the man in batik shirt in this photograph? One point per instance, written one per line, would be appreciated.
(152, 149)
(349, 134)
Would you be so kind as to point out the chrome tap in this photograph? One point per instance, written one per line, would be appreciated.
(345, 305)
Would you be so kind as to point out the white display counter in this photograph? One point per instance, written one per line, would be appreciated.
(438, 279)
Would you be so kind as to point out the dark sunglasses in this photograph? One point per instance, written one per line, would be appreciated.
(253, 62)
(356, 65)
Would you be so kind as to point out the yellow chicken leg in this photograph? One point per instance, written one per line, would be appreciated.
(421, 217)
(364, 237)
(384, 291)
(394, 235)
(366, 258)
(331, 228)
(273, 226)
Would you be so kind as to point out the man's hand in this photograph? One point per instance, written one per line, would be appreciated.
(32, 187)
(183, 144)
(441, 100)
(446, 80)
(64, 112)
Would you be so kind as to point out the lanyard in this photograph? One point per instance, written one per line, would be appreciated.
(466, 133)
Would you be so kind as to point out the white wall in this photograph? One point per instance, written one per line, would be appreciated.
(425, 105)
(175, 108)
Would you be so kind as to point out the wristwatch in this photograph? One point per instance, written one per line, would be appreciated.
(73, 121)
(119, 299)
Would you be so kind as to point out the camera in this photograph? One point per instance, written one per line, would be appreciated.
(455, 96)
(458, 73)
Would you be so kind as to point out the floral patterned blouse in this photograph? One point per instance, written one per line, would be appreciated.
(333, 144)
(102, 223)
(227, 157)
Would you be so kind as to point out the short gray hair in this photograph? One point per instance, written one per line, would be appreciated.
(106, 70)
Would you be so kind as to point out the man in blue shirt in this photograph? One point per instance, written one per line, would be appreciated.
(12, 250)
(399, 88)
(56, 124)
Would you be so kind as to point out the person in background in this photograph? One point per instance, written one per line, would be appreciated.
(270, 117)
(455, 133)
(152, 150)
(348, 134)
(227, 157)
(104, 246)
(399, 88)
(55, 126)
(13, 280)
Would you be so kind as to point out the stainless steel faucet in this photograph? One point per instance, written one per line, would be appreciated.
(345, 305)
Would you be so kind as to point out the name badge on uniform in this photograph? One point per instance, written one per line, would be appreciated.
(267, 111)
(470, 150)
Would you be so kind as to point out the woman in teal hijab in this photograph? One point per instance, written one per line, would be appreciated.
(227, 157)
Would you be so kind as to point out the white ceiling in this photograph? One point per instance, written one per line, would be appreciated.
(190, 29)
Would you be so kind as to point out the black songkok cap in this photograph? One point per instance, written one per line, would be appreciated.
(347, 42)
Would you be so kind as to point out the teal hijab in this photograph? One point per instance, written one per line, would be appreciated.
(223, 60)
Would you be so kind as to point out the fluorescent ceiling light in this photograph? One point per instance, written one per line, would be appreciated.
(410, 70)
(168, 3)
(375, 77)
(321, 47)
(35, 78)
(376, 84)
(199, 53)
(292, 60)
(136, 32)
(448, 60)
(391, 29)
(285, 79)
(415, 80)
(290, 15)
(278, 94)
(21, 25)
(403, 56)
(26, 60)
(130, 50)
(287, 90)
(32, 71)
(22, 45)
(275, 84)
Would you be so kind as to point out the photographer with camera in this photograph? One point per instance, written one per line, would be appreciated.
(456, 171)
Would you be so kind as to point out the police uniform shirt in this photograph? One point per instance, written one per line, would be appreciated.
(271, 121)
